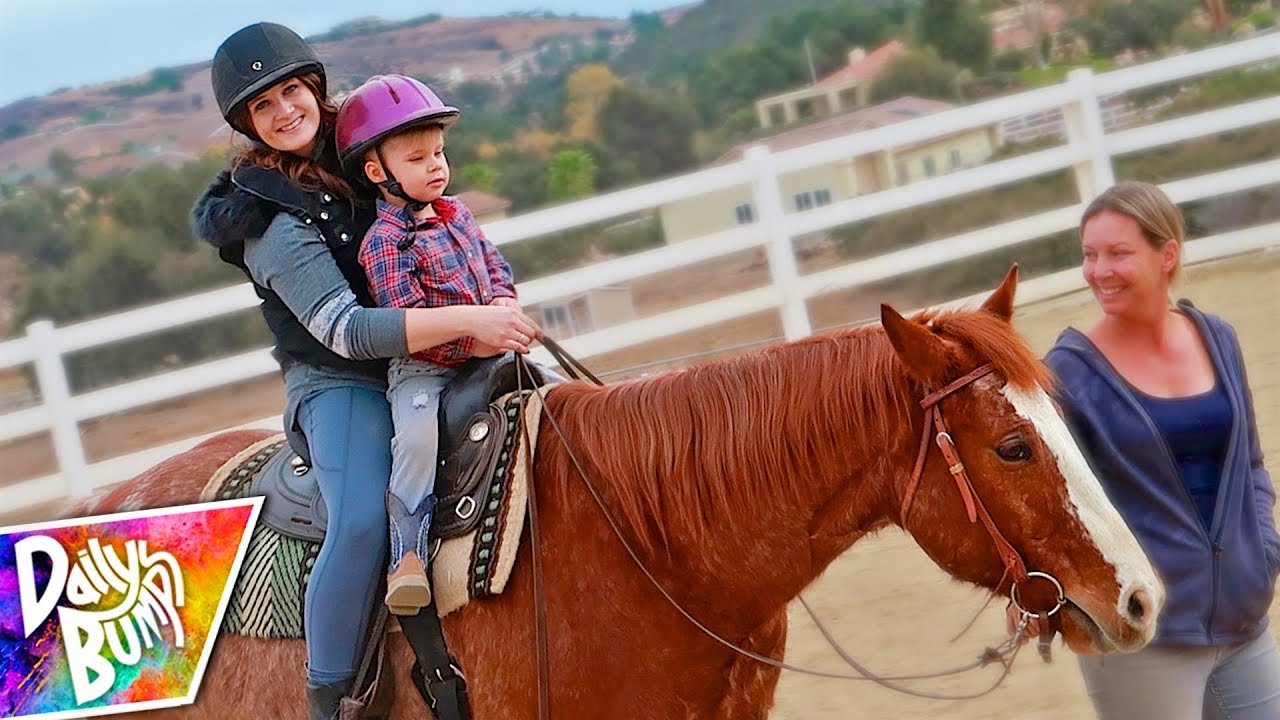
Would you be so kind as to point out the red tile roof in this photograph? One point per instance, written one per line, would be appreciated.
(482, 203)
(867, 68)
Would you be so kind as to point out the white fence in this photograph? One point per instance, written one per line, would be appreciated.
(1089, 151)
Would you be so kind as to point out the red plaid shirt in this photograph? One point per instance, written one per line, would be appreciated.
(448, 261)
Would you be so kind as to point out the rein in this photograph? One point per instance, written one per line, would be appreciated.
(1004, 654)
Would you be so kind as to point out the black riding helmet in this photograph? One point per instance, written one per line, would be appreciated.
(256, 57)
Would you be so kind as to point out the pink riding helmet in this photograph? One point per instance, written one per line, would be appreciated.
(383, 105)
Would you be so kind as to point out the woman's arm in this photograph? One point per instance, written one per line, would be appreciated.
(1264, 491)
(293, 261)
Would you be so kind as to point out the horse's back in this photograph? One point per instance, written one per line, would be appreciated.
(177, 480)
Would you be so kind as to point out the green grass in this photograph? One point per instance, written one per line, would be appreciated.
(1035, 77)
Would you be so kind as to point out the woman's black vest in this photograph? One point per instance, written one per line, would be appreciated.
(254, 192)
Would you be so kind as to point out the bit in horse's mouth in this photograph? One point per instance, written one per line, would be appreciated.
(1102, 643)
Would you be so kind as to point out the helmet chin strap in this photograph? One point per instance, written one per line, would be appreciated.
(411, 205)
(393, 186)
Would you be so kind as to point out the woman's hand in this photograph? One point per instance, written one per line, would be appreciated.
(505, 301)
(484, 350)
(500, 327)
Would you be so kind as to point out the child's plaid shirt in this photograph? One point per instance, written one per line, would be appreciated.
(448, 261)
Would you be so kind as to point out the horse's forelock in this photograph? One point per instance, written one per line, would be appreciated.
(992, 339)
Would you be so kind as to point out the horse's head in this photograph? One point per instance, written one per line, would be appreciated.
(1001, 449)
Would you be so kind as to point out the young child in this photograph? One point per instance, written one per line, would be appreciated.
(424, 250)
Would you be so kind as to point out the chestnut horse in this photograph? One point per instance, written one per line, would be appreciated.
(737, 482)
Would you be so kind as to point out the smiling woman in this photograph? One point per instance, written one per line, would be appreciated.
(284, 215)
(287, 116)
(1157, 398)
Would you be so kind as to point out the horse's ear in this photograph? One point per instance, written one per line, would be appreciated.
(919, 349)
(1001, 301)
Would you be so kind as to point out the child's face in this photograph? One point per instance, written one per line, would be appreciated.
(416, 159)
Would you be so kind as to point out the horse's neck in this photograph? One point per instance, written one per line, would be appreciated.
(819, 471)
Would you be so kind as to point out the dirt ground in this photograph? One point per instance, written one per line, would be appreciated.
(885, 600)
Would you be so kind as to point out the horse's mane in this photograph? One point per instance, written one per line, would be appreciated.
(672, 452)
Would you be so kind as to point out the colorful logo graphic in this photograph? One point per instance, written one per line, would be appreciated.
(116, 613)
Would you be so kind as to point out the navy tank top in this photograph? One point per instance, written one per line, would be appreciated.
(1197, 429)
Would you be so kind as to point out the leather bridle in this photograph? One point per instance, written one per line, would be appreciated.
(935, 422)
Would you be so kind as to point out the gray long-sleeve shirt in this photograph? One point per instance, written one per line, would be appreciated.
(291, 259)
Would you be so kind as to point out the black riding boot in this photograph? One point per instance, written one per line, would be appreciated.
(324, 700)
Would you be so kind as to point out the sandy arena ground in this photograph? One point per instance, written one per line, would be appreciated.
(885, 600)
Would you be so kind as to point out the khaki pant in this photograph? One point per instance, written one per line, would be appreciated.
(1237, 682)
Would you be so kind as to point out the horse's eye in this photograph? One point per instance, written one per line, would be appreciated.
(1014, 449)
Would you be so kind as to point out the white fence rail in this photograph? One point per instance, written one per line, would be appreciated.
(1088, 151)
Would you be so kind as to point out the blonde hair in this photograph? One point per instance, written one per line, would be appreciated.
(1157, 217)
(412, 132)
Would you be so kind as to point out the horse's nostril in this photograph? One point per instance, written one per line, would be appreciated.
(1138, 604)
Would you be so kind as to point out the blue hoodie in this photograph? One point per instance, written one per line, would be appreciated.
(1219, 579)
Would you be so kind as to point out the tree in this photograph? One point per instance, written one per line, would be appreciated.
(166, 79)
(653, 133)
(1113, 27)
(957, 30)
(586, 91)
(14, 130)
(645, 23)
(571, 174)
(919, 73)
(62, 165)
(473, 96)
(522, 178)
(478, 176)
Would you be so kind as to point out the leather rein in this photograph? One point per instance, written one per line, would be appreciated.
(1014, 565)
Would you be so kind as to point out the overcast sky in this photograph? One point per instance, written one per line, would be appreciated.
(47, 44)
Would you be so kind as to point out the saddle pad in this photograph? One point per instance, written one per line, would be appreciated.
(267, 601)
(480, 562)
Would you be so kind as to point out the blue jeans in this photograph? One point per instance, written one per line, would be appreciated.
(348, 432)
(1236, 682)
(413, 390)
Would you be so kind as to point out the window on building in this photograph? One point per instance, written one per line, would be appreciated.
(777, 115)
(556, 320)
(745, 213)
(930, 167)
(580, 315)
(956, 159)
(803, 200)
(821, 196)
(805, 108)
(901, 169)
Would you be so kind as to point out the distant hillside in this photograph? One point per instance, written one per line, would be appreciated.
(107, 128)
(711, 26)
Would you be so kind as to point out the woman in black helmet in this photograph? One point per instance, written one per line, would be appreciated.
(283, 214)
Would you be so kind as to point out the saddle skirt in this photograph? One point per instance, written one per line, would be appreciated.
(477, 528)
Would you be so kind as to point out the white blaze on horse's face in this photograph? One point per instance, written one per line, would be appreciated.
(1100, 519)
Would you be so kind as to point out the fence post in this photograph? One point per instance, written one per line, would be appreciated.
(1083, 122)
(781, 253)
(56, 395)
